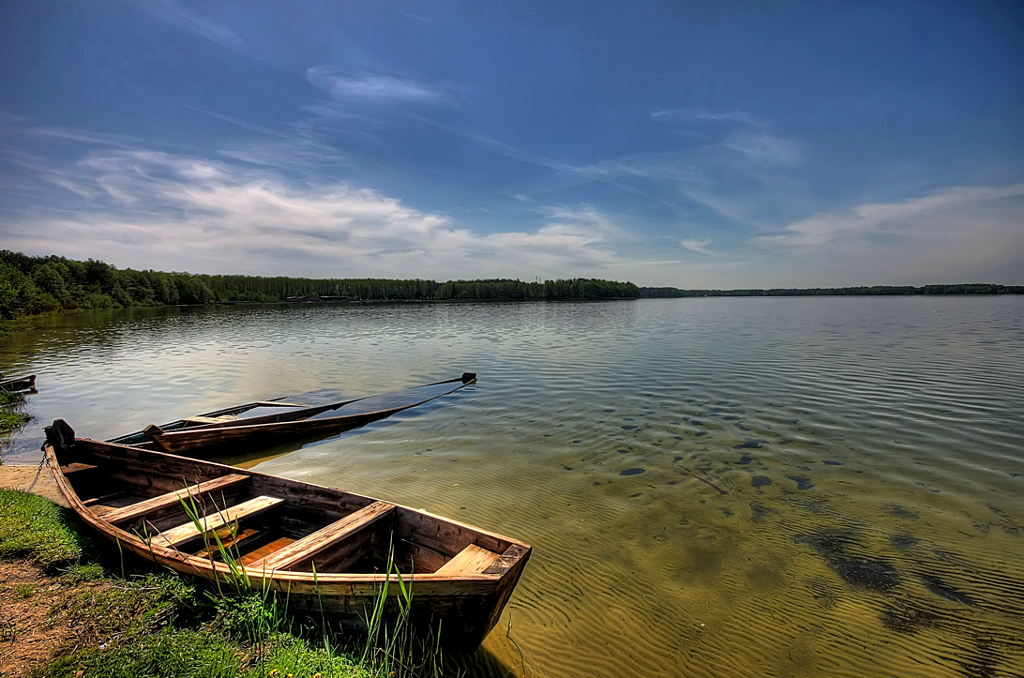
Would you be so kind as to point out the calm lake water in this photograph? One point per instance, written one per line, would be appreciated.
(713, 487)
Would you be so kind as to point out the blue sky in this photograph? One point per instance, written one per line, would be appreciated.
(717, 144)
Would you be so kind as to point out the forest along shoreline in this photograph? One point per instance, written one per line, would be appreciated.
(34, 285)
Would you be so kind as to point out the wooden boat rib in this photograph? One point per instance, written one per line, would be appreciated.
(287, 421)
(18, 383)
(279, 530)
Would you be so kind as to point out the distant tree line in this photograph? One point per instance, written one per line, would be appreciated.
(959, 288)
(31, 285)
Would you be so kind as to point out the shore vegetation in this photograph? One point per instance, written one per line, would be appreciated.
(76, 609)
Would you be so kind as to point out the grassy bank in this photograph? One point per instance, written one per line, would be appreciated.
(100, 615)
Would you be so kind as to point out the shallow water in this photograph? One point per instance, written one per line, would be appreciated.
(713, 487)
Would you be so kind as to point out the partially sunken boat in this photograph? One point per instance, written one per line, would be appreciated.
(18, 383)
(325, 549)
(273, 422)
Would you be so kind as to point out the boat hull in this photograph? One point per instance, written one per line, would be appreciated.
(214, 432)
(19, 384)
(464, 601)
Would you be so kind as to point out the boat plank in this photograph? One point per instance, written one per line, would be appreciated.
(188, 531)
(512, 555)
(309, 546)
(128, 514)
(470, 560)
(276, 545)
(199, 419)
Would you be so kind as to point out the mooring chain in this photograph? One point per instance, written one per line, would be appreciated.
(39, 469)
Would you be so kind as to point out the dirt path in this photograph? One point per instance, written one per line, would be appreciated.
(34, 626)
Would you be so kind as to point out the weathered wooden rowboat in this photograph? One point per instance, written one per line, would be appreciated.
(278, 530)
(271, 422)
(18, 383)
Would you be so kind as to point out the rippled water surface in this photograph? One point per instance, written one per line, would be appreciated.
(713, 487)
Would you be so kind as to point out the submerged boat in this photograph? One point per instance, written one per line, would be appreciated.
(18, 383)
(324, 548)
(271, 422)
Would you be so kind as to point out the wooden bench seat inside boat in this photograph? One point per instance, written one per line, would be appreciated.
(470, 560)
(223, 517)
(308, 547)
(197, 419)
(172, 500)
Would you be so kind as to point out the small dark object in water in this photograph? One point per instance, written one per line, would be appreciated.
(567, 468)
(672, 482)
(760, 481)
(628, 428)
(900, 512)
(759, 511)
(576, 440)
(944, 590)
(903, 541)
(828, 543)
(704, 480)
(677, 459)
(622, 451)
(829, 462)
(876, 575)
(702, 432)
(635, 495)
(745, 459)
(596, 483)
(751, 443)
(742, 427)
(632, 471)
(802, 482)
(727, 512)
(696, 422)
(905, 617)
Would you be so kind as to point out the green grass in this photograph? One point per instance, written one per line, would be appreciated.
(36, 528)
(146, 623)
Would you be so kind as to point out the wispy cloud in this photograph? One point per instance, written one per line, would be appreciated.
(765, 148)
(915, 216)
(371, 87)
(698, 246)
(146, 202)
(699, 114)
(174, 13)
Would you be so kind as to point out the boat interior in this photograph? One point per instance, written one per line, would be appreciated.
(266, 523)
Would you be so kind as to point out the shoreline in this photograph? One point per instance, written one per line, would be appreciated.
(31, 478)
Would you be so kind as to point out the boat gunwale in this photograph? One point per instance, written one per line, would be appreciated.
(211, 570)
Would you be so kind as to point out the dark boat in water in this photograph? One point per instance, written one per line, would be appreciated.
(325, 549)
(271, 422)
(18, 383)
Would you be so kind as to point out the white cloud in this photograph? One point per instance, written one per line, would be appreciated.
(373, 87)
(916, 217)
(699, 246)
(959, 234)
(173, 13)
(163, 211)
(698, 114)
(765, 148)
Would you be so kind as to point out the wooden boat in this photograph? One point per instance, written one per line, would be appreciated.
(278, 530)
(18, 383)
(272, 422)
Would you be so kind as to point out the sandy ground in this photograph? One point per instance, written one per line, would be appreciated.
(32, 479)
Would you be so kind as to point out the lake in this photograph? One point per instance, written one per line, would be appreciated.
(713, 487)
